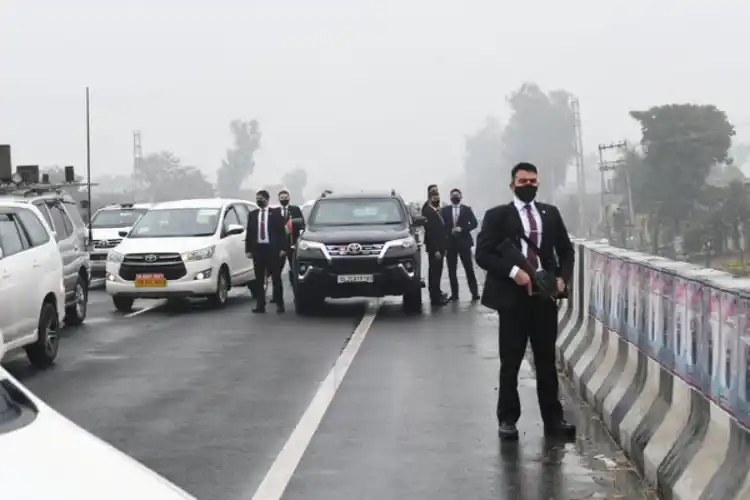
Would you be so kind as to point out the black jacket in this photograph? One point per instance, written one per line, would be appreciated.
(504, 222)
(466, 221)
(277, 237)
(435, 230)
(293, 212)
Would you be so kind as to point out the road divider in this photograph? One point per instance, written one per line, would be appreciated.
(661, 350)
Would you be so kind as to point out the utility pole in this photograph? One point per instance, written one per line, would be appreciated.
(580, 169)
(608, 169)
(137, 151)
(88, 166)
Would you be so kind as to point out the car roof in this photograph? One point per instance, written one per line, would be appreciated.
(31, 196)
(11, 203)
(198, 203)
(126, 206)
(361, 195)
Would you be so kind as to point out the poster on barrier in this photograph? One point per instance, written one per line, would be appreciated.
(630, 304)
(652, 296)
(741, 402)
(606, 289)
(708, 340)
(680, 326)
(724, 383)
(665, 320)
(644, 283)
(694, 296)
(595, 297)
(619, 272)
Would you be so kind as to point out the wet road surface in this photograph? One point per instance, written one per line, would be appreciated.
(209, 398)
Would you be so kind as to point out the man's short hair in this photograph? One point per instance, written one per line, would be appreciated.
(283, 191)
(455, 190)
(263, 193)
(431, 188)
(523, 166)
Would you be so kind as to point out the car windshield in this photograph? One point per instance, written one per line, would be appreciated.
(113, 218)
(356, 212)
(176, 222)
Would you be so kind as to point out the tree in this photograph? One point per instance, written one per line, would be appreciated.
(483, 164)
(541, 130)
(240, 161)
(295, 182)
(161, 177)
(681, 142)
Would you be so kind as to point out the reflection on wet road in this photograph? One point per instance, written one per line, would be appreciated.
(209, 399)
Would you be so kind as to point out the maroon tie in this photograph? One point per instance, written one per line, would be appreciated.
(533, 237)
(262, 225)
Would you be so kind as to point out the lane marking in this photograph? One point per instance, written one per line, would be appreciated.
(145, 309)
(280, 474)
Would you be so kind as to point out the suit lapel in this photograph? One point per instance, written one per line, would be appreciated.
(516, 219)
(545, 229)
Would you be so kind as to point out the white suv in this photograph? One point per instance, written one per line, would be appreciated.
(188, 248)
(106, 225)
(32, 289)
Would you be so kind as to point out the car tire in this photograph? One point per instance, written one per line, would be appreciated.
(43, 352)
(219, 299)
(123, 304)
(412, 300)
(76, 313)
(304, 304)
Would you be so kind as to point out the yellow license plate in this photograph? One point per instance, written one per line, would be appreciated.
(150, 280)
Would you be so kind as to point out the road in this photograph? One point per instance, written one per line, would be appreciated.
(209, 399)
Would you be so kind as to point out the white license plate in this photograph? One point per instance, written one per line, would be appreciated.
(355, 278)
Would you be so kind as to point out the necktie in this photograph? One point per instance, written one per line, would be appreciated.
(262, 225)
(284, 212)
(533, 237)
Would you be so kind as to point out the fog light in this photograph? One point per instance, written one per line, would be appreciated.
(203, 275)
(303, 268)
(110, 277)
(408, 265)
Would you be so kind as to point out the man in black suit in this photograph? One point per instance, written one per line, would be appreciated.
(436, 243)
(524, 314)
(267, 243)
(461, 222)
(289, 212)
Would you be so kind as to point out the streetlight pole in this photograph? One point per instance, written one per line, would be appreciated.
(88, 163)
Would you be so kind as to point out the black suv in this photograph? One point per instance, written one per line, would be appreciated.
(358, 245)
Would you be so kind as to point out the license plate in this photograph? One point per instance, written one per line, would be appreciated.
(150, 280)
(355, 278)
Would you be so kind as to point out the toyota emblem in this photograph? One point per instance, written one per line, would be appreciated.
(150, 258)
(354, 248)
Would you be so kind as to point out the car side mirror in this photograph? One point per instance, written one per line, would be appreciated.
(122, 234)
(2, 345)
(233, 229)
(419, 220)
(298, 222)
(84, 203)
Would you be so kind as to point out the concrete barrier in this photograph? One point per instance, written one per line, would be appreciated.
(661, 350)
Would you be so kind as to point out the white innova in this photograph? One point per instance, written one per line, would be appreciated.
(179, 249)
(32, 290)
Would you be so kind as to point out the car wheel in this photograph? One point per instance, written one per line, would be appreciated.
(75, 314)
(43, 352)
(412, 300)
(123, 304)
(219, 299)
(305, 304)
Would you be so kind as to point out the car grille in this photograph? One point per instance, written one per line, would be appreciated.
(104, 244)
(168, 264)
(343, 249)
(355, 265)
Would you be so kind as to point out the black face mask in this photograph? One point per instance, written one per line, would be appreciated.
(526, 193)
(435, 202)
(261, 203)
(284, 203)
(455, 200)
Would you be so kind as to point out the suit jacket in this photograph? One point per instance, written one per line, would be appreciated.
(277, 237)
(466, 221)
(504, 222)
(435, 230)
(293, 212)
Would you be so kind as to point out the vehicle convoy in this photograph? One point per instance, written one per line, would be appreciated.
(106, 225)
(60, 211)
(358, 245)
(32, 294)
(77, 465)
(182, 249)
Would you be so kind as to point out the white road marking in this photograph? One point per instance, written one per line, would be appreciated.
(278, 476)
(146, 309)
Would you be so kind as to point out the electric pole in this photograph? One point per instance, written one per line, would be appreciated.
(608, 170)
(580, 169)
(137, 151)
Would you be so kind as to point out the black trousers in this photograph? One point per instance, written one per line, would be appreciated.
(435, 274)
(282, 264)
(534, 319)
(266, 262)
(467, 260)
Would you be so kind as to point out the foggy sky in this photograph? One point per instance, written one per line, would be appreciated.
(387, 89)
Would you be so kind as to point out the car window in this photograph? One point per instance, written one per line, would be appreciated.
(61, 223)
(357, 212)
(33, 227)
(176, 223)
(12, 240)
(116, 217)
(242, 211)
(74, 214)
(230, 218)
(45, 213)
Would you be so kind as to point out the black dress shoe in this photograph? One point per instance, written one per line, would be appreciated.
(507, 431)
(280, 307)
(560, 429)
(439, 302)
(454, 298)
(259, 310)
(476, 298)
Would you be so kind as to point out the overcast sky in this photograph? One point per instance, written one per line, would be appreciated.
(383, 90)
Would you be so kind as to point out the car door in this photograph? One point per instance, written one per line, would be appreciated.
(234, 244)
(243, 212)
(17, 279)
(68, 244)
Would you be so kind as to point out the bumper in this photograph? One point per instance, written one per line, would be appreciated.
(98, 264)
(200, 280)
(322, 278)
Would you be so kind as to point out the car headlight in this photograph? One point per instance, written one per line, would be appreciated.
(305, 245)
(113, 256)
(202, 254)
(402, 243)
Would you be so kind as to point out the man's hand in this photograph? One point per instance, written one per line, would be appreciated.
(522, 278)
(560, 285)
(282, 253)
(456, 229)
(438, 255)
(249, 255)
